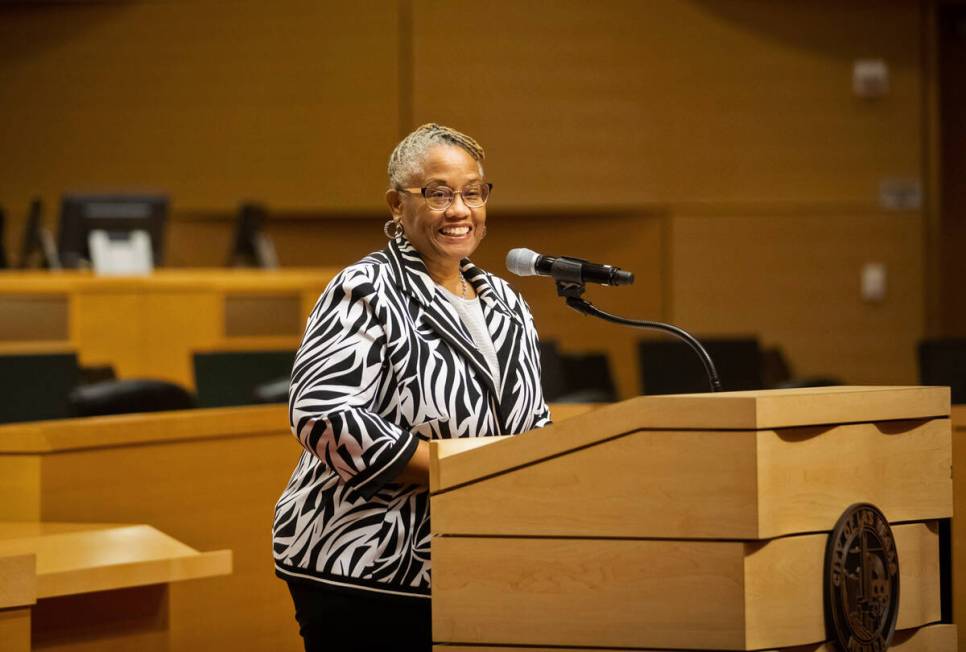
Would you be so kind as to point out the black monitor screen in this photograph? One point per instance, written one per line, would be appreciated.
(82, 214)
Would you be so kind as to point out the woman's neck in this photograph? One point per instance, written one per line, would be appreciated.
(450, 277)
(446, 274)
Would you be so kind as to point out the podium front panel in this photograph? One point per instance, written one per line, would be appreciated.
(708, 595)
(687, 522)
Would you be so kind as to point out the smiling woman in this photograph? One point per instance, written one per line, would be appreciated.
(411, 343)
(443, 224)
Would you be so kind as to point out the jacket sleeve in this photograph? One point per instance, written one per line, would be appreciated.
(338, 382)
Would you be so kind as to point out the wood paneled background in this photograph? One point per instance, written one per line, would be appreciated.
(712, 146)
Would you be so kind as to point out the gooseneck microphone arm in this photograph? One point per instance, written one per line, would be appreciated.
(585, 307)
(571, 274)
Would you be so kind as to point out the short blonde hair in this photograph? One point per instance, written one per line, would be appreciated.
(406, 159)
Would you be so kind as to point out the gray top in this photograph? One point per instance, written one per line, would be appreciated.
(471, 314)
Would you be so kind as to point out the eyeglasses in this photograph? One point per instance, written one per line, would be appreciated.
(439, 198)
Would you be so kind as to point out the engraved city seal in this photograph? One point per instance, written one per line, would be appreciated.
(861, 581)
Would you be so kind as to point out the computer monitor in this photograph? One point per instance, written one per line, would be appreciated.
(117, 215)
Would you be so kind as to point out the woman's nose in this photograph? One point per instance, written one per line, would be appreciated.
(458, 208)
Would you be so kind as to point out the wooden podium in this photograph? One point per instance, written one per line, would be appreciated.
(691, 522)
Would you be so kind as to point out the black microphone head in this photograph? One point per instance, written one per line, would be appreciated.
(522, 261)
(621, 277)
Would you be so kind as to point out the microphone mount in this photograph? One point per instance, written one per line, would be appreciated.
(573, 290)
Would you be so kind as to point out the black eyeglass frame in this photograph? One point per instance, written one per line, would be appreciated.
(422, 191)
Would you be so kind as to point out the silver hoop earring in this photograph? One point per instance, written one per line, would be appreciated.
(395, 232)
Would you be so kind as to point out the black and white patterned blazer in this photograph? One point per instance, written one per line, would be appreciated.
(386, 361)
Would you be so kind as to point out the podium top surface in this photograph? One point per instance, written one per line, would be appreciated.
(724, 411)
(785, 408)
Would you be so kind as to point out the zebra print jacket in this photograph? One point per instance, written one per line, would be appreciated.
(386, 361)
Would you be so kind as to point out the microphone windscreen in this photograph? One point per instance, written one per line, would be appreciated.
(522, 261)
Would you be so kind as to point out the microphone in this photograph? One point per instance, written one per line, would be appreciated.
(524, 262)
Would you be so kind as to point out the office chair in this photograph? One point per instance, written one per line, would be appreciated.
(35, 387)
(275, 391)
(671, 367)
(575, 377)
(3, 244)
(943, 362)
(552, 379)
(225, 378)
(129, 396)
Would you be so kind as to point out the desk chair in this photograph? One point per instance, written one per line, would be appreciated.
(128, 396)
(575, 377)
(3, 243)
(943, 362)
(35, 387)
(225, 378)
(671, 367)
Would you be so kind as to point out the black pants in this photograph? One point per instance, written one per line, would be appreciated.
(332, 621)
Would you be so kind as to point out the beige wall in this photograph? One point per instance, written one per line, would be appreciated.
(292, 102)
(795, 280)
(714, 147)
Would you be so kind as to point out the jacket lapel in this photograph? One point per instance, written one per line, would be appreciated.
(507, 332)
(412, 277)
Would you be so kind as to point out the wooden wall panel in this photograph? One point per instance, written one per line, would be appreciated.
(213, 102)
(619, 102)
(795, 281)
(623, 108)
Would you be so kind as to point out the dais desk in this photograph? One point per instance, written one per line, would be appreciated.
(208, 477)
(149, 326)
(101, 584)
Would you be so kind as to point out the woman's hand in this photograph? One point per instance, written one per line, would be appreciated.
(417, 470)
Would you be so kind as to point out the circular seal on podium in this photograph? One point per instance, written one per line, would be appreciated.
(861, 581)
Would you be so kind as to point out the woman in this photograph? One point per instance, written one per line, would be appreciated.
(409, 344)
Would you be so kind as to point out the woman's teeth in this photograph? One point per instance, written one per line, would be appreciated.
(455, 230)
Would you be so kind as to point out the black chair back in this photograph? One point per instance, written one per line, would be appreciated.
(589, 379)
(129, 396)
(671, 367)
(552, 378)
(36, 387)
(3, 241)
(943, 362)
(224, 378)
(575, 377)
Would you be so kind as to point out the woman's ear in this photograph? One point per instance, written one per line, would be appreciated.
(394, 199)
